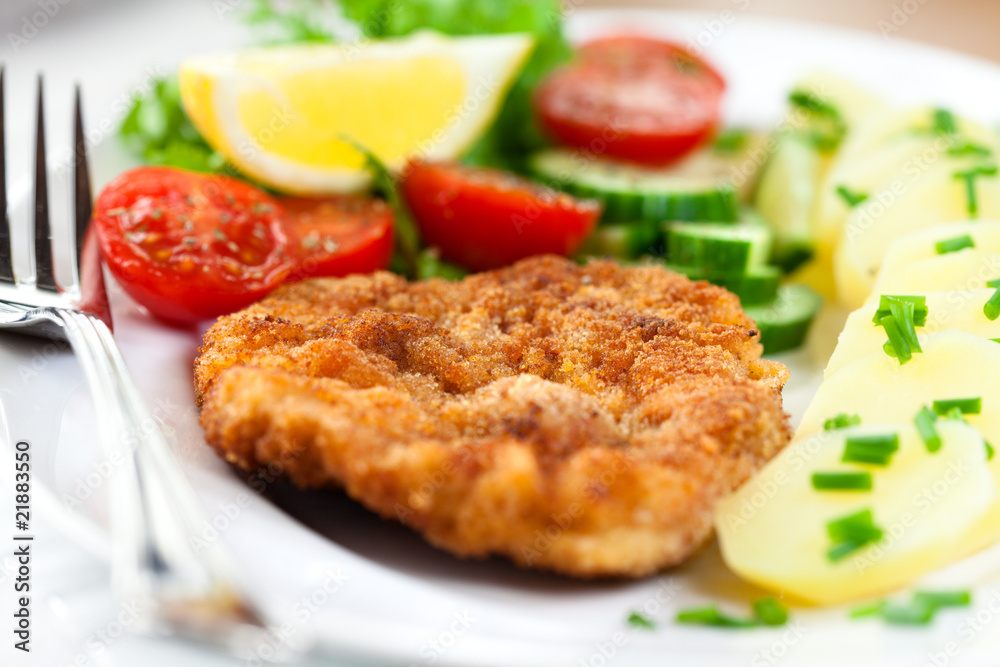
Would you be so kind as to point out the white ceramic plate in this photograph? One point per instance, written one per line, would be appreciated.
(372, 591)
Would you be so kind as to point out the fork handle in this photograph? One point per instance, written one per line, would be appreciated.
(187, 590)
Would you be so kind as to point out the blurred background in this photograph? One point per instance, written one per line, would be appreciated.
(969, 26)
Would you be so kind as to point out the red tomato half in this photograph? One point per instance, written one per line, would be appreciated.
(486, 218)
(337, 236)
(189, 246)
(634, 98)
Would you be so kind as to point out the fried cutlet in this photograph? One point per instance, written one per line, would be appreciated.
(584, 420)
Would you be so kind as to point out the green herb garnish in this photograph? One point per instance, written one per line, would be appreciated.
(827, 124)
(850, 533)
(919, 308)
(920, 610)
(850, 198)
(842, 481)
(955, 244)
(924, 422)
(966, 406)
(991, 309)
(969, 148)
(843, 420)
(770, 611)
(711, 616)
(898, 345)
(943, 122)
(970, 176)
(871, 449)
(637, 620)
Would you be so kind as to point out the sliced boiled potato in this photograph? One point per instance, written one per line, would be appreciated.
(953, 364)
(965, 271)
(889, 147)
(945, 310)
(865, 174)
(922, 244)
(912, 203)
(772, 532)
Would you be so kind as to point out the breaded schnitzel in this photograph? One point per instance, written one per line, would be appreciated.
(578, 419)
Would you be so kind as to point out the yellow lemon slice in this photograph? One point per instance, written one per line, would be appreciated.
(281, 114)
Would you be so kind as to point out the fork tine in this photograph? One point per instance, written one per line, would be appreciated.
(44, 276)
(6, 265)
(81, 178)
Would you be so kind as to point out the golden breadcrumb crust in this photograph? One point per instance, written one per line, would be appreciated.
(577, 419)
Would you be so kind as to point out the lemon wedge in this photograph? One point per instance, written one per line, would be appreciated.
(281, 114)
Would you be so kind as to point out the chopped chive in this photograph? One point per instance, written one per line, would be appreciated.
(850, 533)
(850, 198)
(918, 611)
(970, 148)
(992, 307)
(993, 283)
(872, 449)
(713, 617)
(770, 611)
(995, 340)
(897, 339)
(928, 432)
(842, 550)
(955, 244)
(968, 406)
(990, 452)
(914, 613)
(842, 481)
(943, 122)
(870, 609)
(828, 126)
(843, 420)
(637, 620)
(955, 414)
(970, 176)
(941, 599)
(919, 308)
(903, 312)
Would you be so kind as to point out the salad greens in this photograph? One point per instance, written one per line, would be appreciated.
(157, 129)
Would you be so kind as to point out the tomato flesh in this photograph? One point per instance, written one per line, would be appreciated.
(633, 98)
(337, 236)
(485, 218)
(190, 246)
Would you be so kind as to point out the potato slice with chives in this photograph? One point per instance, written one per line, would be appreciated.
(781, 532)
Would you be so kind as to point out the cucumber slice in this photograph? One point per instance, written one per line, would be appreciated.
(784, 321)
(621, 241)
(758, 286)
(786, 195)
(698, 189)
(718, 249)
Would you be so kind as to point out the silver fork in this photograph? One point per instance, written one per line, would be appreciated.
(185, 591)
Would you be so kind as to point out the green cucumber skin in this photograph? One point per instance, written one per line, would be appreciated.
(711, 202)
(756, 288)
(784, 322)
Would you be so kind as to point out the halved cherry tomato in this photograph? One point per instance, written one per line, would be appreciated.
(337, 236)
(189, 246)
(635, 98)
(486, 218)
